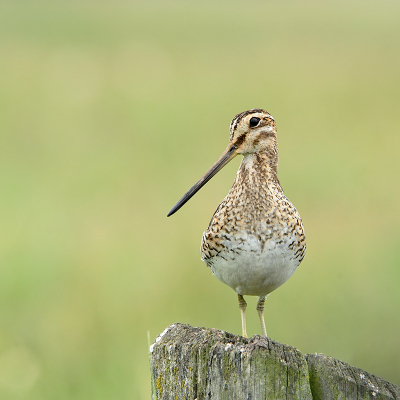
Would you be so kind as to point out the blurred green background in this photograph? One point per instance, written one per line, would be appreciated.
(110, 111)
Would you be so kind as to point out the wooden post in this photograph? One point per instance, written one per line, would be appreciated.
(197, 363)
(333, 379)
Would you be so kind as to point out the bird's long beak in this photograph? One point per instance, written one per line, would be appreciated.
(226, 156)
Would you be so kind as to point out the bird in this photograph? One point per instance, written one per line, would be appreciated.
(255, 240)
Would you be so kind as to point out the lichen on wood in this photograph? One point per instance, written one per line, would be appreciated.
(333, 379)
(190, 363)
(198, 363)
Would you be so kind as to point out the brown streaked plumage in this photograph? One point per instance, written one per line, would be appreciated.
(255, 239)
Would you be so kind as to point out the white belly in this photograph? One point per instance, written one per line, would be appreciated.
(251, 267)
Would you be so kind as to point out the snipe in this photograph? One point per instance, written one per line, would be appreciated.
(255, 239)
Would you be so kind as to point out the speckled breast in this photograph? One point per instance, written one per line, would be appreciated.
(254, 256)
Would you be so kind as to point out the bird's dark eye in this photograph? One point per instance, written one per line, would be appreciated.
(254, 121)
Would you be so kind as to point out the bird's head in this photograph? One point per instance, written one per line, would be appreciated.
(251, 131)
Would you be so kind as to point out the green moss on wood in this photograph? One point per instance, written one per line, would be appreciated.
(189, 363)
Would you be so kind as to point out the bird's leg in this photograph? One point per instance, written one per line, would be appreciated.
(260, 310)
(242, 306)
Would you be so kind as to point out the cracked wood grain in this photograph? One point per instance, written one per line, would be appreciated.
(198, 363)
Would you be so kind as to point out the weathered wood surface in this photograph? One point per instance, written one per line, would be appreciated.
(333, 379)
(197, 363)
